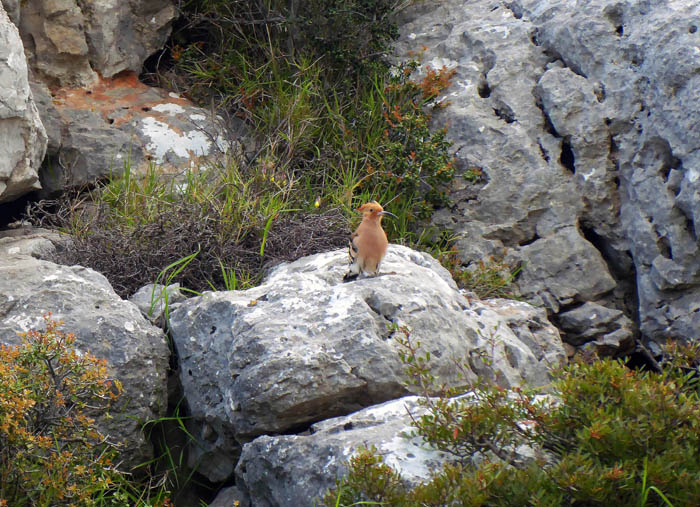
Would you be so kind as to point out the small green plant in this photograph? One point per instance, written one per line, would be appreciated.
(486, 278)
(164, 279)
(605, 435)
(168, 470)
(646, 490)
(51, 450)
(233, 280)
(366, 468)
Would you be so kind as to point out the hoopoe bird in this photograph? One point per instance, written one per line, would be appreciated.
(368, 243)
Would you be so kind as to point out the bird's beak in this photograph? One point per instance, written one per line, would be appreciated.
(388, 213)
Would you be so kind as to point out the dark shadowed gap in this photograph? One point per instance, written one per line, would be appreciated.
(567, 156)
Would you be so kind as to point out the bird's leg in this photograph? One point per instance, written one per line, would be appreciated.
(352, 273)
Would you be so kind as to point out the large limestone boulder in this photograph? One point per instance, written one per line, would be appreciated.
(70, 43)
(582, 116)
(22, 133)
(105, 325)
(304, 346)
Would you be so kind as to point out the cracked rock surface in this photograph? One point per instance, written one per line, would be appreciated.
(304, 346)
(645, 57)
(582, 116)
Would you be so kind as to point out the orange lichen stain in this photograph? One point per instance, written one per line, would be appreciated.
(118, 99)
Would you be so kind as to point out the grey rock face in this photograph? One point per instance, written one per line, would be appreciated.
(607, 331)
(23, 136)
(32, 241)
(304, 346)
(571, 104)
(644, 57)
(563, 269)
(54, 42)
(105, 325)
(529, 206)
(228, 496)
(68, 42)
(582, 116)
(121, 35)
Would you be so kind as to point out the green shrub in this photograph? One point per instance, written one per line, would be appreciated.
(349, 37)
(607, 436)
(311, 78)
(411, 160)
(485, 278)
(352, 36)
(51, 452)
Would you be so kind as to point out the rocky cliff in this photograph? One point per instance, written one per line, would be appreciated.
(581, 115)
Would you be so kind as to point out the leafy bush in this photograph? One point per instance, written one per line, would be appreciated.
(410, 158)
(350, 37)
(51, 452)
(312, 79)
(607, 435)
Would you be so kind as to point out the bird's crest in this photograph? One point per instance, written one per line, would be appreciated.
(371, 207)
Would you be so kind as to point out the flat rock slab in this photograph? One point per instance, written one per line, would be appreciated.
(298, 469)
(32, 241)
(304, 346)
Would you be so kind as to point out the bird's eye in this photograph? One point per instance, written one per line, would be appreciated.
(371, 210)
